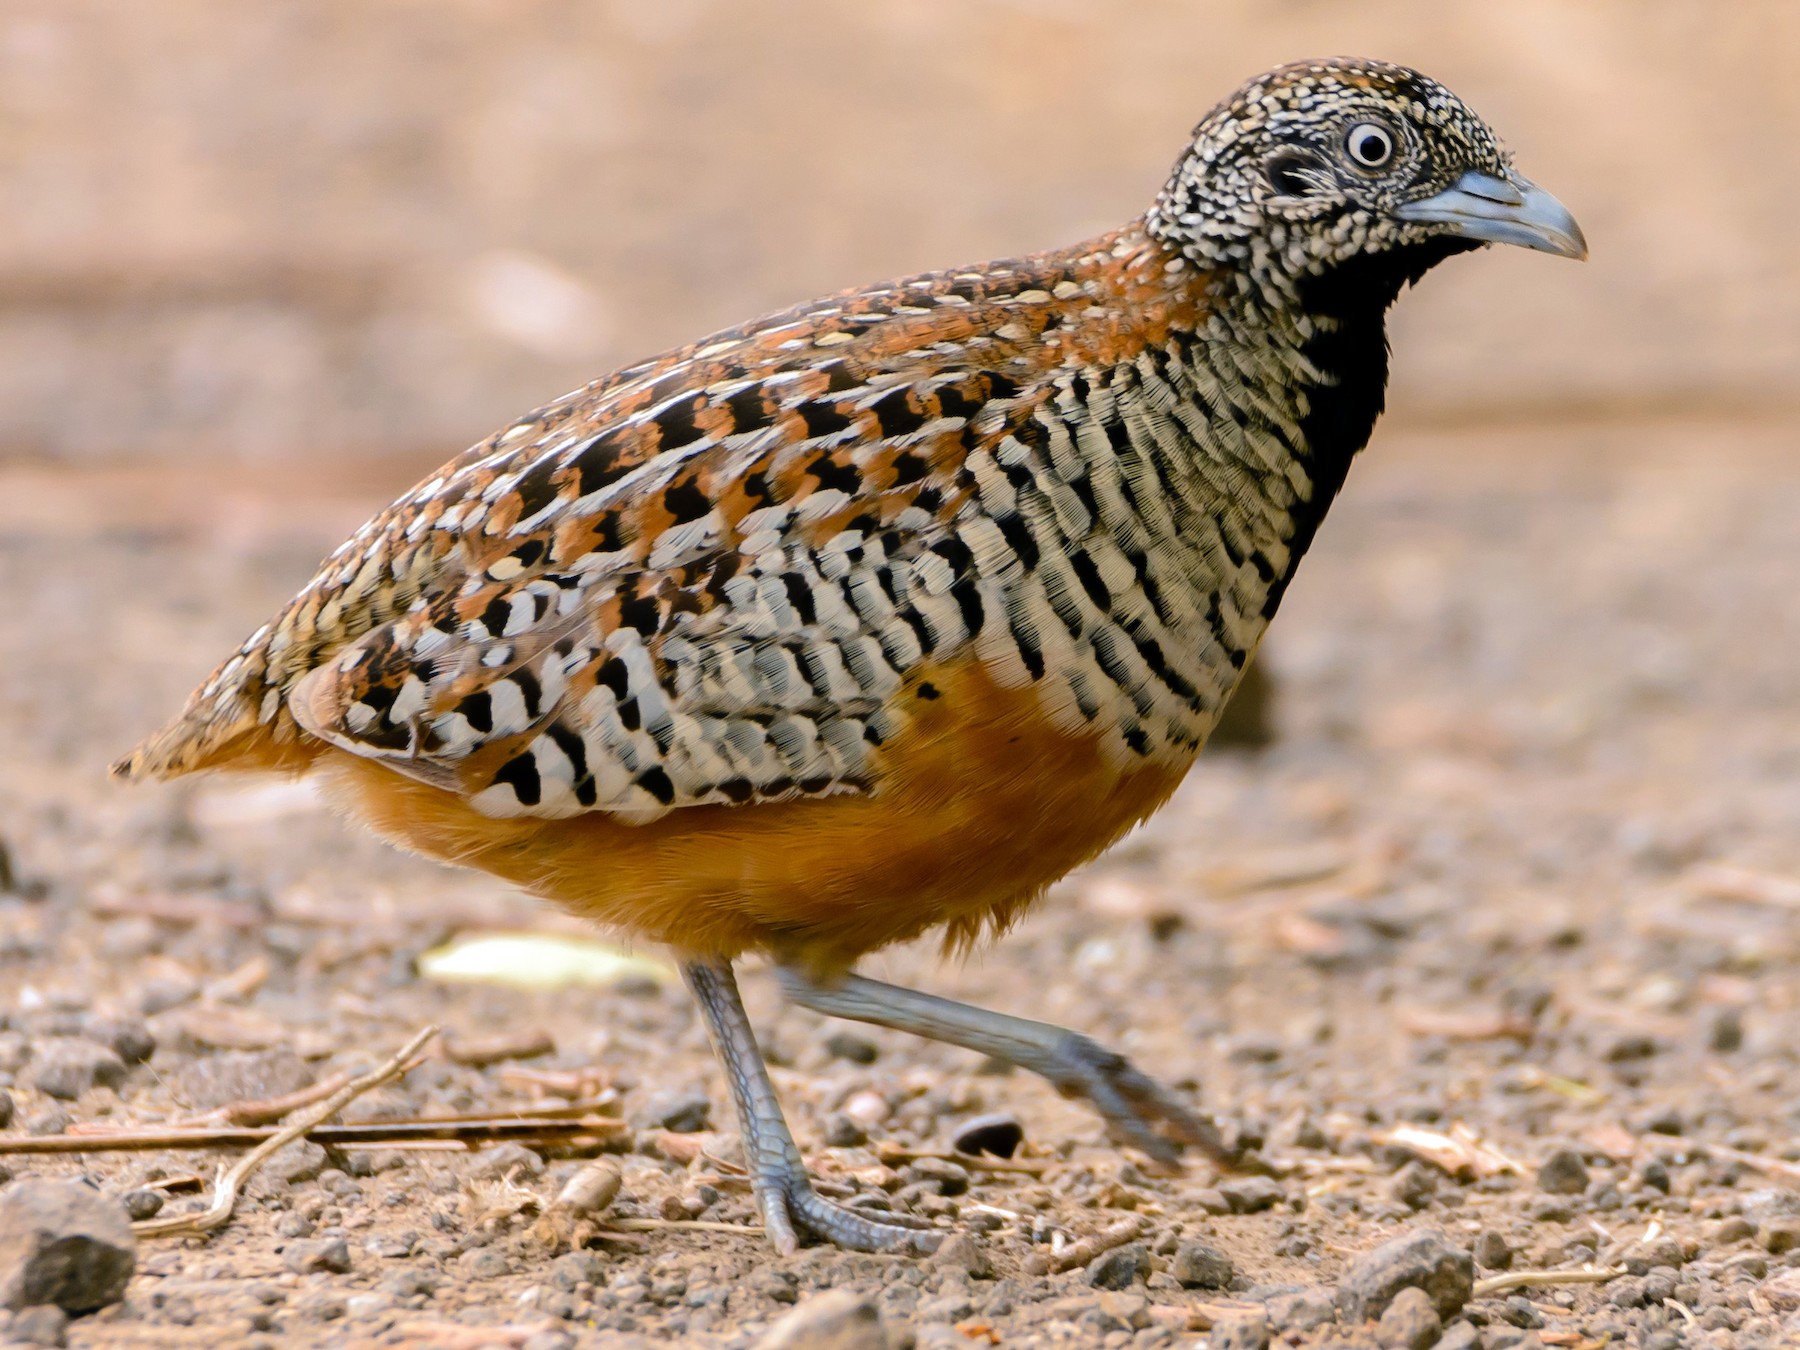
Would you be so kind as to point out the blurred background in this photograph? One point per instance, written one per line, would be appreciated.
(305, 227)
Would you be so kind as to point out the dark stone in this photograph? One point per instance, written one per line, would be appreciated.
(142, 1204)
(939, 1174)
(843, 1132)
(1631, 1045)
(1199, 1266)
(1563, 1173)
(1120, 1267)
(1779, 1236)
(63, 1243)
(1727, 1033)
(997, 1134)
(1492, 1251)
(848, 1046)
(6, 1108)
(1425, 1260)
(67, 1066)
(1414, 1185)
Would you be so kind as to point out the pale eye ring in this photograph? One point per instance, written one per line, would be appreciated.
(1370, 144)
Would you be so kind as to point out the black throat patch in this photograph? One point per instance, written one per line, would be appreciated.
(1353, 351)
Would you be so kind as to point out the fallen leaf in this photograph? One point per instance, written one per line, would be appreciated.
(537, 961)
(1459, 1151)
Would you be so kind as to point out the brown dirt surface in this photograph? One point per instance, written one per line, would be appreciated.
(1520, 870)
(1499, 940)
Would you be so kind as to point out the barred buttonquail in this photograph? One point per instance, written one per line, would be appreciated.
(877, 616)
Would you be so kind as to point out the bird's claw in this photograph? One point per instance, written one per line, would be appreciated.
(790, 1206)
(1140, 1111)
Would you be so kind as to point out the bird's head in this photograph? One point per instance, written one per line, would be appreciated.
(1324, 163)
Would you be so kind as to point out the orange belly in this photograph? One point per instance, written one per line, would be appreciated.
(982, 804)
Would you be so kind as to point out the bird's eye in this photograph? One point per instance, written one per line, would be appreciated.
(1370, 145)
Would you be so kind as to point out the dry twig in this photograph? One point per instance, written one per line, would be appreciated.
(1778, 1167)
(1532, 1279)
(225, 1192)
(1083, 1250)
(1725, 881)
(890, 1153)
(570, 1127)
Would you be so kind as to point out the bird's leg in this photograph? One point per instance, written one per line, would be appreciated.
(1139, 1110)
(778, 1177)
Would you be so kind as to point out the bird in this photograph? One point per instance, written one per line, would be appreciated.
(874, 617)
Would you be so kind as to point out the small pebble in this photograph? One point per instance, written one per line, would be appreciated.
(127, 1037)
(1779, 1236)
(1563, 1173)
(1251, 1195)
(834, 1320)
(577, 1268)
(842, 1132)
(142, 1204)
(852, 1048)
(1414, 1185)
(64, 1243)
(293, 1163)
(6, 1108)
(1726, 1036)
(678, 1110)
(50, 1119)
(964, 1252)
(1410, 1322)
(1200, 1266)
(208, 1081)
(1240, 1331)
(1302, 1310)
(1119, 1268)
(1492, 1251)
(40, 1324)
(327, 1254)
(67, 1066)
(504, 1160)
(484, 1263)
(1425, 1259)
(1735, 1228)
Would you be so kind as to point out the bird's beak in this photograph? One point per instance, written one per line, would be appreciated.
(1494, 210)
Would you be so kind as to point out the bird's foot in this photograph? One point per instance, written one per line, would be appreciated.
(791, 1207)
(1137, 1109)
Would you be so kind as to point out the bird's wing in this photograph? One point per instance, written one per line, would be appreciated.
(706, 585)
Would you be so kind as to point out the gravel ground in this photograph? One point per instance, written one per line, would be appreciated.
(1497, 950)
